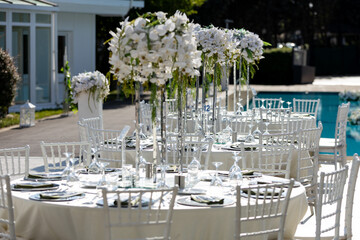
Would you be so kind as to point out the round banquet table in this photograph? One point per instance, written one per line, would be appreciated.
(78, 219)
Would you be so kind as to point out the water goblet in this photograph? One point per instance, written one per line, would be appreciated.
(250, 138)
(257, 130)
(266, 128)
(282, 104)
(67, 169)
(289, 104)
(216, 180)
(94, 166)
(263, 103)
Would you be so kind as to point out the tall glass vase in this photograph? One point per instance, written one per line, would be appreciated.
(247, 86)
(214, 98)
(180, 140)
(137, 125)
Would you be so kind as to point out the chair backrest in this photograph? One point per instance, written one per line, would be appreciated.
(238, 123)
(84, 123)
(148, 215)
(267, 102)
(193, 146)
(54, 154)
(277, 119)
(260, 206)
(308, 106)
(6, 204)
(340, 127)
(271, 160)
(171, 106)
(308, 152)
(15, 161)
(278, 139)
(109, 144)
(330, 194)
(350, 196)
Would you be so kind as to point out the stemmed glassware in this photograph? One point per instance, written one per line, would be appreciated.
(94, 166)
(216, 180)
(102, 181)
(263, 103)
(289, 104)
(282, 104)
(250, 138)
(257, 130)
(235, 171)
(67, 169)
(266, 128)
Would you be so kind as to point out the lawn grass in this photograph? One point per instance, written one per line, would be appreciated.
(14, 118)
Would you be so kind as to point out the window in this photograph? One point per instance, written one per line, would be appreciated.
(2, 16)
(2, 37)
(43, 64)
(43, 18)
(62, 58)
(21, 17)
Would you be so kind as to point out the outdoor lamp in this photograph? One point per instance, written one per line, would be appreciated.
(27, 114)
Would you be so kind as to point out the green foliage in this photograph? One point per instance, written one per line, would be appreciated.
(167, 6)
(275, 68)
(9, 78)
(67, 81)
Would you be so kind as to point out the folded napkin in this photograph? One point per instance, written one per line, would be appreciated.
(59, 195)
(263, 192)
(247, 172)
(32, 185)
(43, 176)
(209, 200)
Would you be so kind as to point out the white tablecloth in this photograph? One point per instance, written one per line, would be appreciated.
(76, 220)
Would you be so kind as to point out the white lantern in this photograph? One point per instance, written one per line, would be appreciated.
(27, 115)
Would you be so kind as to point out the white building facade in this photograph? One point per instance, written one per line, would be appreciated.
(42, 35)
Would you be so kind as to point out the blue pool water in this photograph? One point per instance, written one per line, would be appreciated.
(327, 112)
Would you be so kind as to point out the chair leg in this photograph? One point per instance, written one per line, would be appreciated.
(311, 214)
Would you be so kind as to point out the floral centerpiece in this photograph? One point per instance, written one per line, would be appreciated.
(93, 83)
(153, 49)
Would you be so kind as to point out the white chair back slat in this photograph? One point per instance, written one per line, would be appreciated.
(306, 106)
(109, 145)
(55, 159)
(252, 206)
(145, 214)
(6, 204)
(84, 123)
(267, 102)
(330, 194)
(350, 196)
(15, 161)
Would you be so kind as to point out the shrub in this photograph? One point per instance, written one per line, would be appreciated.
(276, 68)
(9, 78)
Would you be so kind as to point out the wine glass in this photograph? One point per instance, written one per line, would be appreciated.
(67, 169)
(257, 130)
(235, 174)
(216, 180)
(263, 103)
(94, 166)
(289, 104)
(282, 104)
(250, 138)
(266, 128)
(102, 181)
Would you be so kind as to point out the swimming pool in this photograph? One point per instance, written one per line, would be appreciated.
(327, 112)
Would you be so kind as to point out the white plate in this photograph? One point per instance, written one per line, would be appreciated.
(145, 203)
(253, 195)
(188, 202)
(89, 184)
(37, 197)
(36, 187)
(190, 191)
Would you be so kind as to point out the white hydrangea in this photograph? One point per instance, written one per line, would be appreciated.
(90, 82)
(152, 46)
(251, 46)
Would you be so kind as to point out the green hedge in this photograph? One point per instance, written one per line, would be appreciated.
(275, 68)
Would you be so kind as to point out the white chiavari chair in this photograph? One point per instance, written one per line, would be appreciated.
(307, 162)
(6, 204)
(109, 145)
(266, 102)
(262, 206)
(84, 123)
(306, 106)
(277, 119)
(267, 159)
(337, 145)
(350, 197)
(55, 159)
(328, 203)
(239, 123)
(148, 216)
(278, 139)
(15, 161)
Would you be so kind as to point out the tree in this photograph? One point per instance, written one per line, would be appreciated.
(9, 78)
